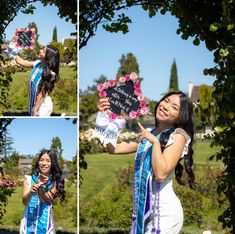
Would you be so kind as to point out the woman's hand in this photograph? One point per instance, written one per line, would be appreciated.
(103, 104)
(43, 178)
(147, 135)
(15, 38)
(35, 187)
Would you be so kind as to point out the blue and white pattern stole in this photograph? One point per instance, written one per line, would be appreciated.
(35, 78)
(142, 185)
(39, 214)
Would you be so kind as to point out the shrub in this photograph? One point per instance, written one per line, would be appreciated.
(113, 208)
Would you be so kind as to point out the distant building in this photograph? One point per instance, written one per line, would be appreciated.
(65, 42)
(194, 91)
(25, 166)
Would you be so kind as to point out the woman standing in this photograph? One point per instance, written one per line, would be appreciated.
(45, 72)
(39, 192)
(156, 208)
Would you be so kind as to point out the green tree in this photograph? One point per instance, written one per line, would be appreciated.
(70, 53)
(57, 145)
(5, 191)
(152, 105)
(88, 101)
(203, 20)
(54, 37)
(60, 47)
(6, 148)
(128, 64)
(205, 95)
(173, 78)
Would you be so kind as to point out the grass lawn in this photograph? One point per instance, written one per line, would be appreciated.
(102, 170)
(15, 208)
(64, 95)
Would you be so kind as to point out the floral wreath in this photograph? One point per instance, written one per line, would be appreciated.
(142, 110)
(18, 30)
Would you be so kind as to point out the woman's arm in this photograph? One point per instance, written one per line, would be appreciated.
(38, 103)
(27, 191)
(48, 196)
(163, 163)
(23, 62)
(122, 148)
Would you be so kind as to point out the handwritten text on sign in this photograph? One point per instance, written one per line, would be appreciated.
(122, 98)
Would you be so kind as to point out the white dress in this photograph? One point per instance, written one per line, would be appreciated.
(46, 107)
(170, 209)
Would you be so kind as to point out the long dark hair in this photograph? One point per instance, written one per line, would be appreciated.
(186, 122)
(56, 173)
(51, 71)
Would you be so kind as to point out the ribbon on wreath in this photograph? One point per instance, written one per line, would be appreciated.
(107, 129)
(13, 50)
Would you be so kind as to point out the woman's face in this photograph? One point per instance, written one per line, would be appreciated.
(45, 164)
(42, 53)
(168, 110)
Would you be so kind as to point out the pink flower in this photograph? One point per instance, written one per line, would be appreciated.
(137, 92)
(137, 86)
(122, 79)
(103, 94)
(133, 114)
(134, 76)
(111, 83)
(140, 97)
(100, 87)
(143, 104)
(144, 111)
(113, 116)
(127, 77)
(106, 85)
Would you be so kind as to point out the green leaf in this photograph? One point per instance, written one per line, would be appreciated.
(213, 27)
(196, 42)
(230, 26)
(205, 72)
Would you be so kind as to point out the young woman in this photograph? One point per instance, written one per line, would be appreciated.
(156, 208)
(45, 72)
(39, 192)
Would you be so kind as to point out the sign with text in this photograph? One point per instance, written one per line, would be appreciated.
(125, 97)
(25, 38)
(122, 98)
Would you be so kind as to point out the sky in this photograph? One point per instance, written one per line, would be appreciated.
(155, 44)
(46, 19)
(30, 135)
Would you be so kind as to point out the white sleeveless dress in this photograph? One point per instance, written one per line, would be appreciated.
(170, 209)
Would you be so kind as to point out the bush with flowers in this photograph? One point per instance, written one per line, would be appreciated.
(7, 187)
